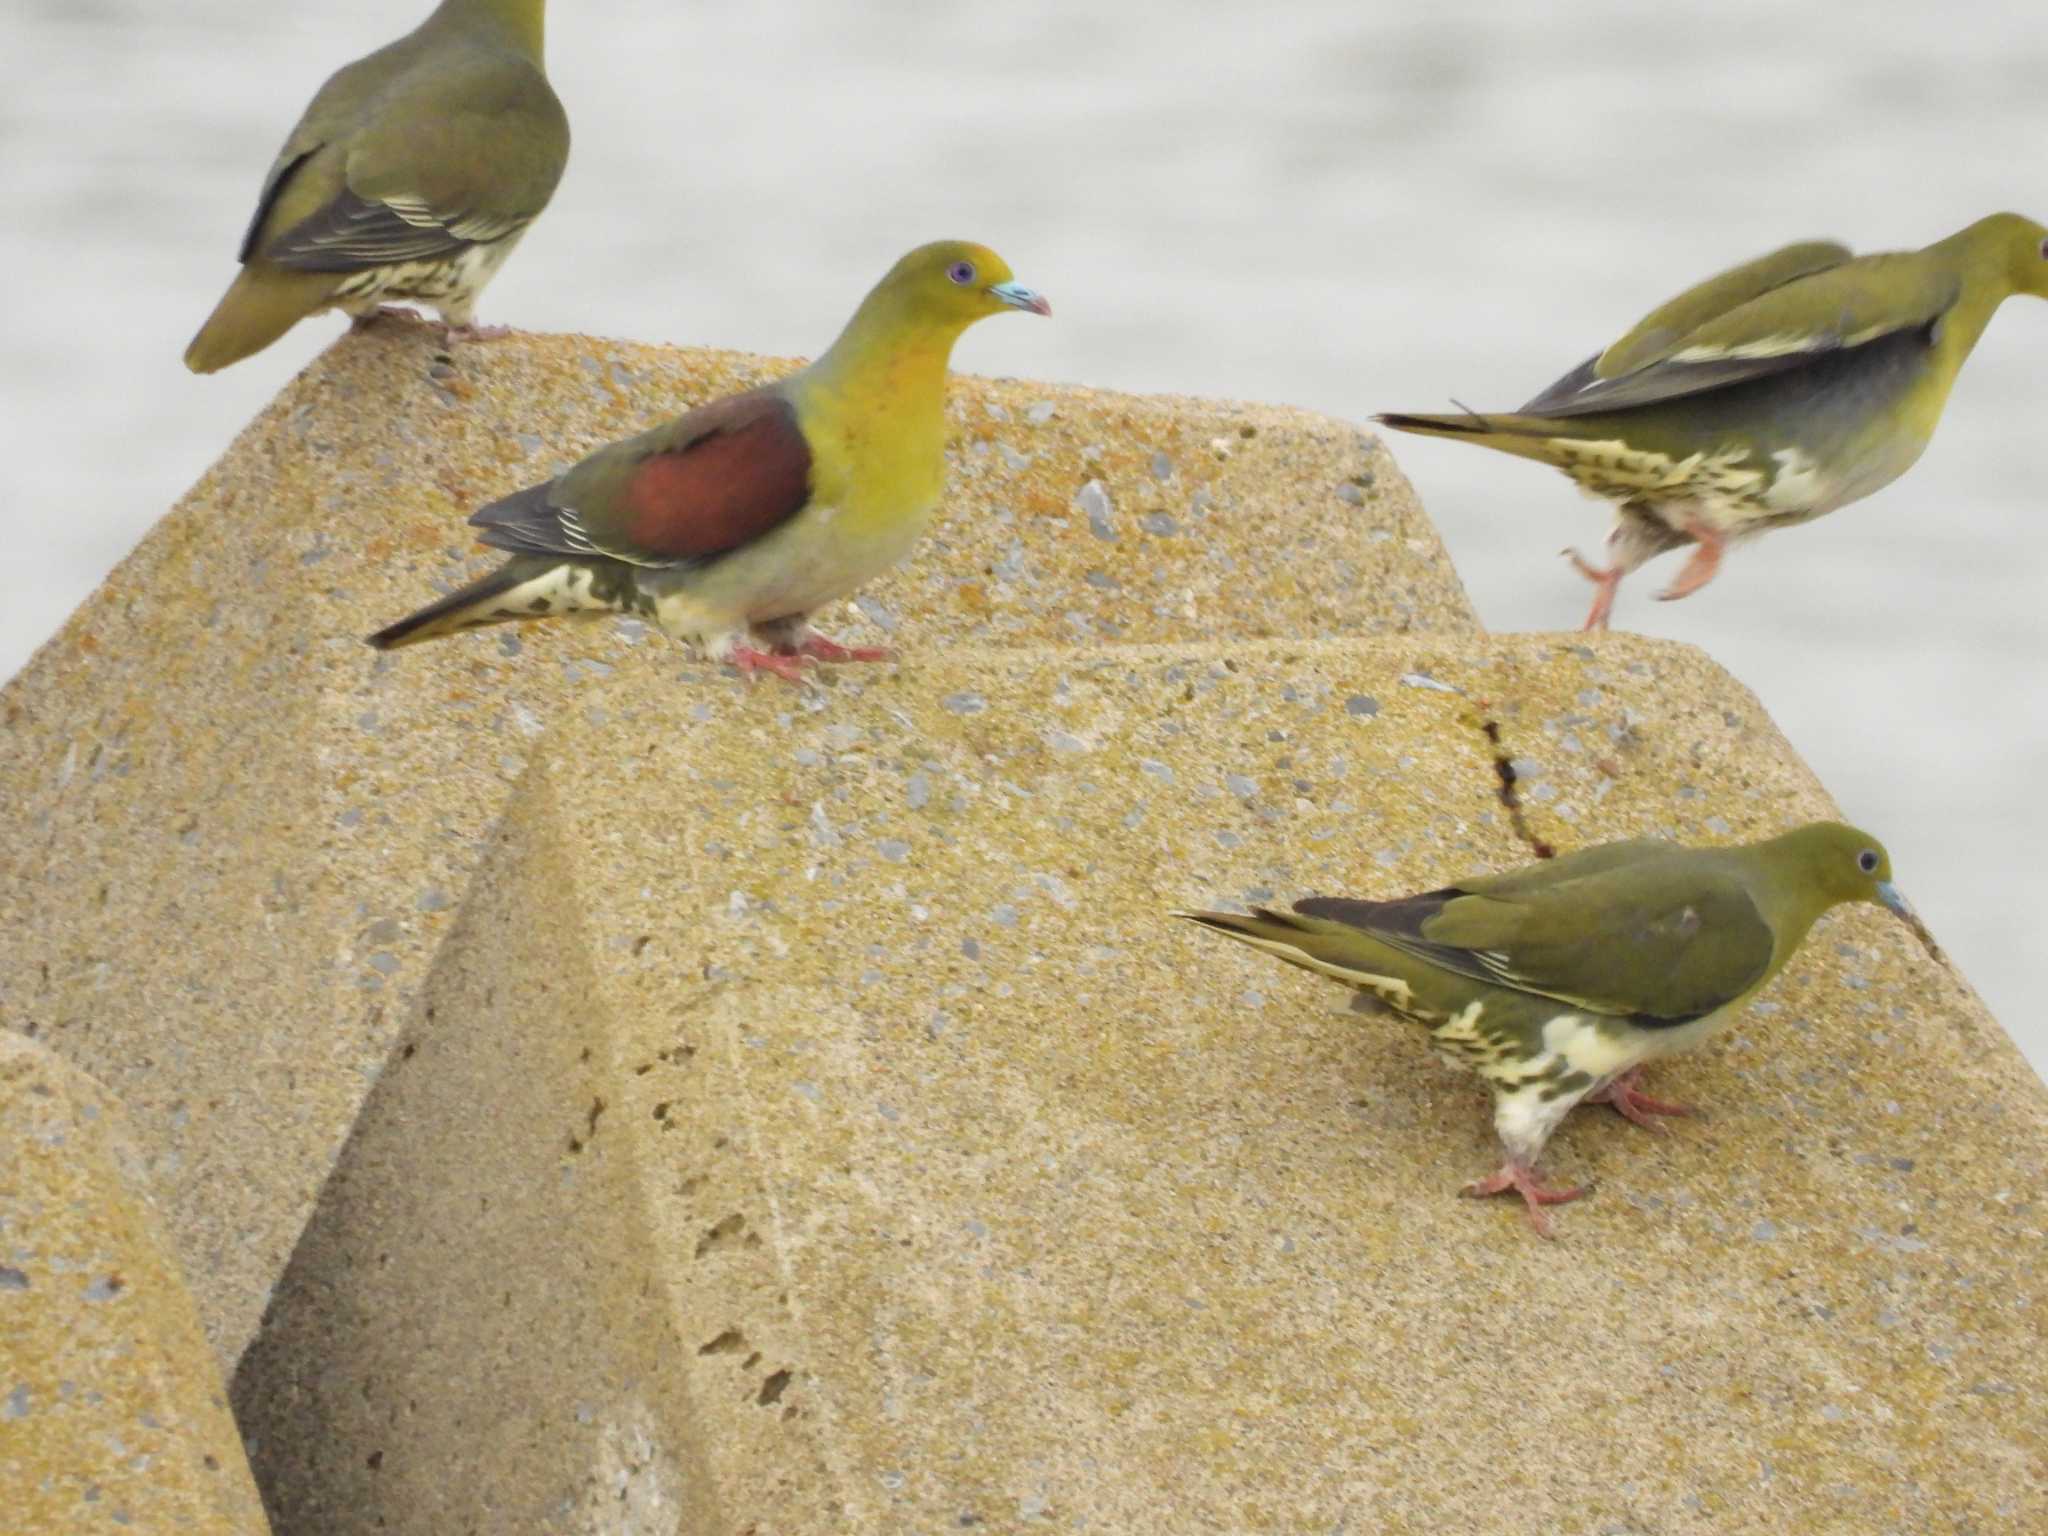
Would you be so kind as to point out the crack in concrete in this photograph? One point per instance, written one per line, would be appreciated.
(1504, 769)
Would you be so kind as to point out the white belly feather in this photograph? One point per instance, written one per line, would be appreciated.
(817, 558)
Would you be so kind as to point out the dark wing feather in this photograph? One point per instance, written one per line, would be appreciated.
(1822, 314)
(1401, 917)
(1579, 394)
(529, 522)
(280, 177)
(353, 233)
(686, 493)
(1400, 924)
(1565, 390)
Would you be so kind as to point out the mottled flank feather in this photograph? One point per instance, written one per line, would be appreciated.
(515, 593)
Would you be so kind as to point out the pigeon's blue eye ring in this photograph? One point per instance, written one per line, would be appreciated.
(962, 272)
(1867, 861)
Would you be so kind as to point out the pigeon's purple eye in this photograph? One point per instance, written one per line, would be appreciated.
(1867, 861)
(962, 272)
(2044, 250)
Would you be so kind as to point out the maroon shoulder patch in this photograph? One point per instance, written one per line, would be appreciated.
(746, 473)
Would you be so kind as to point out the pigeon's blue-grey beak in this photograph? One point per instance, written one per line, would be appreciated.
(1892, 897)
(1017, 296)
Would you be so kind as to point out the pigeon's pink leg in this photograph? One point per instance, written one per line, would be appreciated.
(1709, 546)
(1605, 583)
(750, 661)
(474, 332)
(1534, 1192)
(820, 648)
(796, 637)
(1631, 1103)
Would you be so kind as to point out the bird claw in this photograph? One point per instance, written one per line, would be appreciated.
(1633, 1105)
(750, 661)
(1535, 1194)
(1606, 581)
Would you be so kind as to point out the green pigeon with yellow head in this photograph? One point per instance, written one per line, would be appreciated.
(731, 525)
(1559, 981)
(412, 175)
(1769, 395)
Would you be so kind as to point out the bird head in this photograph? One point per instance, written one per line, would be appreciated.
(1834, 863)
(2028, 253)
(524, 22)
(2011, 245)
(950, 284)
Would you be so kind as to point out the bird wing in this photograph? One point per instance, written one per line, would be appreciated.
(708, 482)
(1577, 865)
(1648, 940)
(290, 161)
(1798, 318)
(1653, 335)
(329, 116)
(427, 169)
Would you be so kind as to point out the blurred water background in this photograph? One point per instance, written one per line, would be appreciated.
(1349, 205)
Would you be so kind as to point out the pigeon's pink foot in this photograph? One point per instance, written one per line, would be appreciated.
(1632, 1104)
(1534, 1192)
(370, 317)
(474, 332)
(1605, 584)
(1708, 547)
(819, 648)
(749, 661)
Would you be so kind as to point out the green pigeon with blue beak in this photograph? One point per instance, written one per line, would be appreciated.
(411, 175)
(1559, 981)
(1769, 395)
(731, 525)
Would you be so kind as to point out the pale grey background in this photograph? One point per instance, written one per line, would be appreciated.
(1346, 204)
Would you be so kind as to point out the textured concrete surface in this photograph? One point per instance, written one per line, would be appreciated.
(822, 1066)
(206, 896)
(113, 1417)
(486, 1183)
(637, 1101)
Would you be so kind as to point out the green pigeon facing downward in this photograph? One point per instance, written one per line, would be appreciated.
(1558, 981)
(411, 176)
(732, 524)
(1769, 395)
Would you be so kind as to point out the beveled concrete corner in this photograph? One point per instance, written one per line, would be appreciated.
(232, 838)
(829, 1070)
(113, 1417)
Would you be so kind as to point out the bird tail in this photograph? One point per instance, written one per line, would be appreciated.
(259, 307)
(1527, 437)
(518, 589)
(1320, 944)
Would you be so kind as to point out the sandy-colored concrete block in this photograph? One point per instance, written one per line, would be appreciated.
(478, 1251)
(839, 1044)
(231, 836)
(113, 1417)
